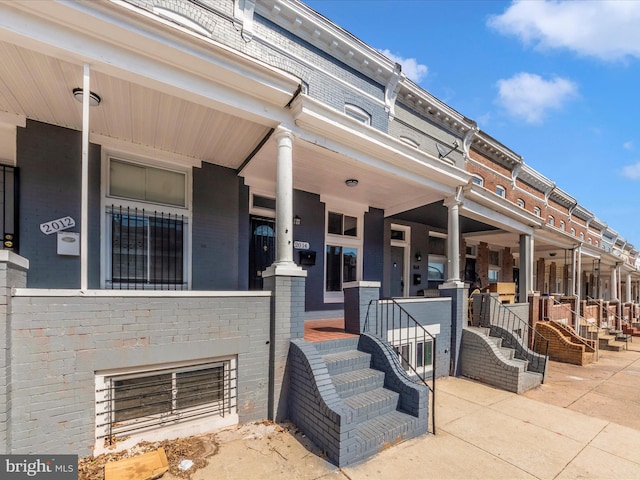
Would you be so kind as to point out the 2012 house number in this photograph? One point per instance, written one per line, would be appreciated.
(57, 225)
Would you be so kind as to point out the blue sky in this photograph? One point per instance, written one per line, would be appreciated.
(555, 81)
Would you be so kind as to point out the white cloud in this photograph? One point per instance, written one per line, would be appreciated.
(628, 145)
(632, 172)
(410, 66)
(605, 29)
(529, 97)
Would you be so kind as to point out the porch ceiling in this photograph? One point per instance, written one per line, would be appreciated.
(39, 87)
(322, 171)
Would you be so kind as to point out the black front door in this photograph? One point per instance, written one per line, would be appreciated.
(261, 250)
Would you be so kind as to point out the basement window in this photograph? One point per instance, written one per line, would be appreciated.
(136, 402)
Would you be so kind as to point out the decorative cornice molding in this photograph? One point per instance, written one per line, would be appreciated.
(392, 89)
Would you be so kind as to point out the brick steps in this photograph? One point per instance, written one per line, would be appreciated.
(484, 358)
(349, 408)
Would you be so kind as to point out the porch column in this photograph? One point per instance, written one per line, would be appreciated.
(578, 285)
(286, 281)
(613, 295)
(284, 197)
(84, 200)
(628, 298)
(453, 239)
(525, 278)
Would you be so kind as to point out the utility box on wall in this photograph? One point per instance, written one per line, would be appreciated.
(69, 243)
(307, 258)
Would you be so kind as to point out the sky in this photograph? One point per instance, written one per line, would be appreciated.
(555, 81)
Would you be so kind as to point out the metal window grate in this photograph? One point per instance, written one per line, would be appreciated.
(155, 399)
(147, 249)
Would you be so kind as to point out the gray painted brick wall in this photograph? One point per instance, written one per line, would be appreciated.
(67, 339)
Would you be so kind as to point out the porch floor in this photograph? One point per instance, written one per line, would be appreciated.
(325, 329)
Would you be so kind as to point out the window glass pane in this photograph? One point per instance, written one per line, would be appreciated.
(436, 271)
(397, 234)
(493, 276)
(165, 250)
(437, 245)
(419, 354)
(494, 257)
(334, 223)
(334, 257)
(166, 187)
(428, 354)
(350, 262)
(127, 180)
(129, 248)
(350, 226)
(140, 397)
(264, 202)
(139, 182)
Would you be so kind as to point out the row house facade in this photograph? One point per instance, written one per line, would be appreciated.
(236, 167)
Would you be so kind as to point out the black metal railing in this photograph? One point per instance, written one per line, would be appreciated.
(413, 345)
(527, 343)
(10, 206)
(147, 249)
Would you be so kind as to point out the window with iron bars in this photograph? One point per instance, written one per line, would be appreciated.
(135, 403)
(146, 249)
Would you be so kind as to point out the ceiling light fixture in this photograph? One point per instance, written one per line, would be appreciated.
(94, 98)
(351, 182)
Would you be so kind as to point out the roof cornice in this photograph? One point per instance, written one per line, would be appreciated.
(496, 151)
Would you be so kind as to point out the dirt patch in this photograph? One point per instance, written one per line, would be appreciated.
(196, 449)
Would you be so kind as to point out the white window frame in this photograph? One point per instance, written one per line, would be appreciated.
(501, 191)
(411, 341)
(437, 258)
(343, 241)
(107, 200)
(357, 113)
(536, 211)
(562, 225)
(551, 221)
(477, 180)
(520, 202)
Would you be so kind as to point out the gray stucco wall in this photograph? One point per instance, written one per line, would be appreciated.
(58, 343)
(50, 163)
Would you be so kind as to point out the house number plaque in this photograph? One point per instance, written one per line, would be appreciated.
(57, 225)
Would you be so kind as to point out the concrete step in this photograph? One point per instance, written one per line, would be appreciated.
(373, 403)
(507, 353)
(357, 381)
(614, 346)
(342, 362)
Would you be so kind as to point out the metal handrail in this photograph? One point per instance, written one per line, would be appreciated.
(573, 332)
(396, 327)
(501, 317)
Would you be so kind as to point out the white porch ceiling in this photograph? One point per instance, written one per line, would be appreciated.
(39, 87)
(319, 170)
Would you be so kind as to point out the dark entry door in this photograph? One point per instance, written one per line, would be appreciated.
(261, 250)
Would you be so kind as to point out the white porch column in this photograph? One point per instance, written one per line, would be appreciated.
(284, 198)
(453, 239)
(613, 295)
(578, 286)
(628, 297)
(84, 195)
(525, 278)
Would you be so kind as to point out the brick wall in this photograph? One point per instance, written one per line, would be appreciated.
(561, 348)
(59, 342)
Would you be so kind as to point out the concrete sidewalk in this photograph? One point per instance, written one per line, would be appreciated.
(584, 422)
